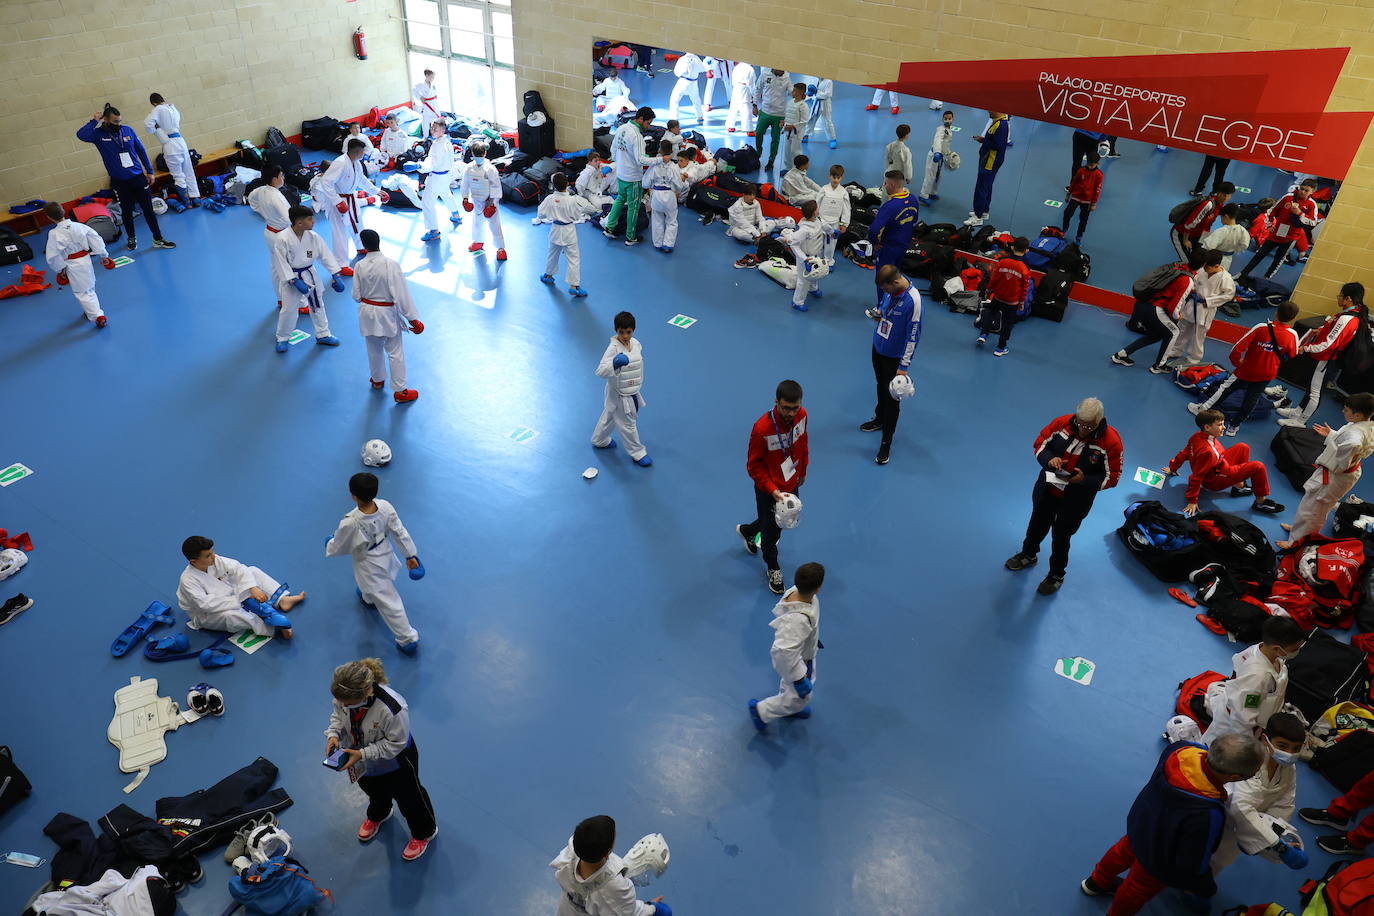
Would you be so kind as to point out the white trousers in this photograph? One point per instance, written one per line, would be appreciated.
(428, 116)
(663, 218)
(822, 113)
(377, 582)
(178, 158)
(438, 190)
(831, 240)
(343, 229)
(293, 299)
(380, 351)
(1191, 334)
(931, 182)
(878, 98)
(744, 235)
(81, 274)
(690, 88)
(709, 95)
(1318, 499)
(571, 255)
(237, 620)
(620, 414)
(739, 109)
(791, 147)
(805, 284)
(786, 702)
(479, 223)
(1314, 389)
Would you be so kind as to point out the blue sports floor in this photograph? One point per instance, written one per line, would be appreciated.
(589, 647)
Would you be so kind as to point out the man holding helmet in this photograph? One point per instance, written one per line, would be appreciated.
(779, 453)
(898, 315)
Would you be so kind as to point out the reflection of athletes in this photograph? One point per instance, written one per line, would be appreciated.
(426, 101)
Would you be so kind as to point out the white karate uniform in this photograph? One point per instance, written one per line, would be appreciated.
(1252, 806)
(833, 209)
(377, 278)
(623, 398)
(213, 600)
(825, 93)
(897, 158)
(939, 143)
(1194, 317)
(613, 87)
(592, 185)
(606, 893)
(663, 181)
(164, 122)
(878, 98)
(482, 183)
(796, 636)
(798, 187)
(294, 257)
(617, 100)
(563, 211)
(66, 242)
(270, 203)
(746, 222)
(341, 182)
(1229, 240)
(688, 70)
(1243, 703)
(676, 139)
(426, 102)
(1337, 470)
(692, 173)
(372, 157)
(715, 71)
(794, 115)
(112, 895)
(438, 170)
(807, 241)
(375, 564)
(395, 141)
(741, 96)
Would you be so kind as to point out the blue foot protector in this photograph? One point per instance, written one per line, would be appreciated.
(134, 633)
(800, 308)
(270, 615)
(282, 346)
(803, 713)
(546, 278)
(167, 647)
(455, 219)
(330, 341)
(577, 292)
(754, 714)
(645, 462)
(418, 572)
(817, 293)
(430, 236)
(409, 648)
(834, 143)
(359, 593)
(609, 444)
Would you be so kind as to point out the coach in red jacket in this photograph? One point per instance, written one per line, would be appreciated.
(1079, 455)
(779, 453)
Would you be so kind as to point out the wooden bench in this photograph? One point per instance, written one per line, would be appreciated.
(209, 164)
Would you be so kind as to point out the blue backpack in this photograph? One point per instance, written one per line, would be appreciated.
(1044, 254)
(277, 887)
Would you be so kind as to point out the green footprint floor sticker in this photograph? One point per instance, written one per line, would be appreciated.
(1077, 669)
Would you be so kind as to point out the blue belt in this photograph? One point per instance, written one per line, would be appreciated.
(444, 172)
(659, 187)
(177, 136)
(558, 222)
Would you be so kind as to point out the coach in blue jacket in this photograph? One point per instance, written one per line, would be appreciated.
(131, 173)
(894, 224)
(894, 344)
(992, 152)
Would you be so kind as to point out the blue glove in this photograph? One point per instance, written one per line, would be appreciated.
(810, 670)
(811, 90)
(419, 571)
(301, 286)
(327, 539)
(620, 361)
(662, 909)
(1292, 856)
(803, 687)
(336, 284)
(938, 158)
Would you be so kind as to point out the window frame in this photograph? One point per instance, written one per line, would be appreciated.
(488, 9)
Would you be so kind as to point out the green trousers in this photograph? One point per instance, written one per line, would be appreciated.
(771, 123)
(628, 196)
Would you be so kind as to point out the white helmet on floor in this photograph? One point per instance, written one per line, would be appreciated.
(646, 860)
(901, 387)
(262, 843)
(376, 453)
(1182, 728)
(862, 248)
(159, 206)
(787, 511)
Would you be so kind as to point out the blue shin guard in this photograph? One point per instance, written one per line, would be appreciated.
(133, 634)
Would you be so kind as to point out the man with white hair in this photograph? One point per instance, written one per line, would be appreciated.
(1079, 455)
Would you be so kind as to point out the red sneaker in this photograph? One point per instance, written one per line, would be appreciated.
(370, 827)
(475, 246)
(870, 108)
(100, 322)
(345, 271)
(750, 134)
(500, 254)
(303, 310)
(896, 109)
(406, 396)
(729, 130)
(375, 383)
(416, 848)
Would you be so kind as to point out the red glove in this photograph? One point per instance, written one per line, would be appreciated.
(108, 263)
(343, 206)
(489, 210)
(362, 195)
(710, 74)
(385, 198)
(371, 200)
(417, 326)
(467, 205)
(62, 277)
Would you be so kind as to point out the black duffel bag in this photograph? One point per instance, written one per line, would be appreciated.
(1167, 543)
(320, 134)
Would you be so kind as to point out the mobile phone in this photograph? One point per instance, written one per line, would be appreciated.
(336, 760)
(1063, 474)
(24, 859)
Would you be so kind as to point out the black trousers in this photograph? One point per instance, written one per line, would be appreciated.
(131, 192)
(1275, 246)
(1159, 328)
(1060, 514)
(402, 787)
(888, 408)
(1008, 310)
(1208, 164)
(766, 524)
(1253, 390)
(1084, 211)
(1082, 145)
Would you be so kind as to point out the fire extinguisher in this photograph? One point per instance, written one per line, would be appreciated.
(360, 43)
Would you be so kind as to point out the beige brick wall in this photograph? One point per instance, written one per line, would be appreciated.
(864, 41)
(233, 68)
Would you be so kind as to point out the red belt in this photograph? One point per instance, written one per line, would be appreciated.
(270, 229)
(378, 302)
(77, 254)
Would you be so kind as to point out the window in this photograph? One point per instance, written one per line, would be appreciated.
(469, 45)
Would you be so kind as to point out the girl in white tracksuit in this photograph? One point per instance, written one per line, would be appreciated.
(1337, 467)
(366, 534)
(663, 181)
(481, 190)
(71, 252)
(622, 366)
(796, 638)
(935, 157)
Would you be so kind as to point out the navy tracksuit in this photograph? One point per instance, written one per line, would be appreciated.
(991, 154)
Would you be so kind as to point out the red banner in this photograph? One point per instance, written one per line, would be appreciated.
(1265, 107)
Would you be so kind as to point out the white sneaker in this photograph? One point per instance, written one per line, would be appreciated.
(1296, 424)
(1231, 430)
(1276, 391)
(936, 106)
(1289, 413)
(974, 221)
(1195, 409)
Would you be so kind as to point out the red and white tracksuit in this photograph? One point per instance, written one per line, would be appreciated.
(1217, 468)
(1195, 225)
(1325, 345)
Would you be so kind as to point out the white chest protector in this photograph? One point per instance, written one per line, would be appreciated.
(140, 720)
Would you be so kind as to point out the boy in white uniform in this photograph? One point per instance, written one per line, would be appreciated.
(746, 219)
(394, 140)
(935, 157)
(70, 249)
(366, 534)
(426, 101)
(436, 180)
(589, 873)
(1337, 468)
(268, 201)
(622, 366)
(741, 97)
(563, 211)
(372, 159)
(219, 593)
(663, 181)
(688, 70)
(672, 133)
(834, 201)
(617, 99)
(692, 171)
(164, 122)
(1212, 288)
(294, 253)
(793, 122)
(481, 189)
(825, 92)
(385, 309)
(807, 242)
(797, 186)
(594, 181)
(1254, 807)
(796, 637)
(897, 155)
(1229, 238)
(337, 193)
(1242, 703)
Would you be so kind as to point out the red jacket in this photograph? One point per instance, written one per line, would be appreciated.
(1171, 297)
(1261, 226)
(1086, 186)
(1330, 340)
(1009, 281)
(1289, 226)
(1254, 356)
(766, 453)
(1099, 456)
(1199, 219)
(1207, 458)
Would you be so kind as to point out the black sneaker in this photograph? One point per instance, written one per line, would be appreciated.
(749, 544)
(1241, 491)
(1122, 358)
(163, 243)
(1324, 818)
(1160, 370)
(14, 607)
(1268, 506)
(1090, 888)
(1020, 561)
(883, 452)
(1338, 845)
(775, 581)
(871, 425)
(132, 244)
(1050, 584)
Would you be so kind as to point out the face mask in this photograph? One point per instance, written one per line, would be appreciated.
(1283, 758)
(479, 159)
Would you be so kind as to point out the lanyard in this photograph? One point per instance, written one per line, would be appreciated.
(890, 305)
(784, 444)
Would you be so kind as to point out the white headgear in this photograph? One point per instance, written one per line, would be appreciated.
(264, 842)
(787, 511)
(863, 248)
(819, 268)
(901, 387)
(159, 206)
(952, 161)
(1182, 728)
(646, 860)
(11, 561)
(376, 453)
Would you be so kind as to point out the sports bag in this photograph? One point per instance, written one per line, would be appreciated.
(708, 198)
(927, 260)
(532, 102)
(519, 190)
(967, 301)
(770, 247)
(1329, 567)
(1238, 545)
(1179, 212)
(14, 785)
(13, 249)
(1052, 295)
(321, 133)
(1075, 262)
(278, 887)
(542, 171)
(536, 140)
(274, 138)
(1165, 542)
(1151, 284)
(284, 156)
(1348, 760)
(1044, 253)
(1353, 520)
(989, 319)
(746, 159)
(1347, 889)
(1326, 672)
(1295, 451)
(512, 162)
(1192, 698)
